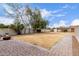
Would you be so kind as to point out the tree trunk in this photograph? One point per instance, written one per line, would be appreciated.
(24, 30)
(19, 32)
(38, 30)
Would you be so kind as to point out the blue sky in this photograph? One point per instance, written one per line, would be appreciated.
(57, 14)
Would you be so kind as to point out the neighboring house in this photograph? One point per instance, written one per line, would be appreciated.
(59, 29)
(30, 30)
(55, 29)
(71, 29)
(65, 29)
(12, 32)
(7, 30)
(76, 30)
(45, 30)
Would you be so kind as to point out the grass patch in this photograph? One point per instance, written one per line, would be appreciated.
(45, 40)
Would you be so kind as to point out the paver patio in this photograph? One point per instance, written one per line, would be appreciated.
(65, 47)
(18, 48)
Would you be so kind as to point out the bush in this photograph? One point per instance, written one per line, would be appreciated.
(4, 26)
(18, 27)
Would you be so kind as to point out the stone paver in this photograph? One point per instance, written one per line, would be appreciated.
(17, 48)
(67, 46)
(75, 46)
(63, 48)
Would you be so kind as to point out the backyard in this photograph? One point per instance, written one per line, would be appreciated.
(45, 40)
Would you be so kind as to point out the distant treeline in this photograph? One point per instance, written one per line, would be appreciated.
(4, 26)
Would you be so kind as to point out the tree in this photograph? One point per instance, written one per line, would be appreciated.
(27, 17)
(4, 26)
(17, 27)
(38, 25)
(16, 12)
(38, 22)
(28, 13)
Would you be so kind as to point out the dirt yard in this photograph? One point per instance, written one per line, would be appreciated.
(45, 40)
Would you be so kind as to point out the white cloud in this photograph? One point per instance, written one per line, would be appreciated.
(59, 15)
(45, 13)
(56, 11)
(55, 25)
(6, 20)
(8, 9)
(65, 6)
(60, 23)
(75, 22)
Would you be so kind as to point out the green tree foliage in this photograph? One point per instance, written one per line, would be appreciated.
(17, 27)
(33, 17)
(16, 13)
(4, 26)
(38, 22)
